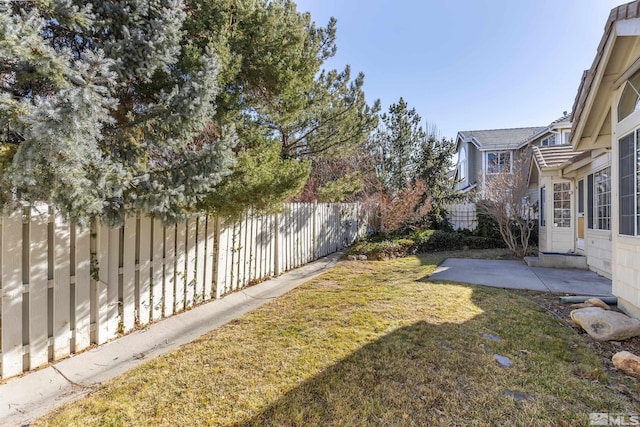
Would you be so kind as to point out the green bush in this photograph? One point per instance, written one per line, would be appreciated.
(421, 242)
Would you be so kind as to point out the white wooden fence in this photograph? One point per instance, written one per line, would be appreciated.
(462, 216)
(65, 287)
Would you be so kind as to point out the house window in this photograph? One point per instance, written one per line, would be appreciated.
(462, 163)
(630, 99)
(499, 162)
(566, 137)
(629, 196)
(562, 205)
(550, 140)
(581, 196)
(600, 201)
(543, 206)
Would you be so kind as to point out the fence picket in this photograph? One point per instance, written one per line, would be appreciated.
(100, 287)
(12, 295)
(82, 306)
(157, 269)
(209, 258)
(61, 287)
(190, 249)
(38, 275)
(169, 281)
(181, 261)
(143, 294)
(201, 290)
(127, 293)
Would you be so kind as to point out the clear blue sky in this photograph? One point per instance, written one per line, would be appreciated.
(468, 64)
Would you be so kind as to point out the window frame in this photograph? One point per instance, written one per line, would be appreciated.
(499, 154)
(462, 163)
(562, 221)
(600, 201)
(629, 224)
(547, 142)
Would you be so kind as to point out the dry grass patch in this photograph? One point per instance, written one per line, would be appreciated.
(368, 343)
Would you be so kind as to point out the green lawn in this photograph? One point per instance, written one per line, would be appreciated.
(368, 343)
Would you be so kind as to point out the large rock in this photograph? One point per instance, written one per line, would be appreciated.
(627, 362)
(604, 325)
(597, 302)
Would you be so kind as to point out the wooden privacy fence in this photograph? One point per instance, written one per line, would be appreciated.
(462, 216)
(65, 287)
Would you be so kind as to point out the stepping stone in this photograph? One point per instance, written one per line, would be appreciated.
(503, 361)
(518, 396)
(491, 337)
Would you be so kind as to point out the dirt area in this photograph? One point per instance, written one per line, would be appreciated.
(619, 381)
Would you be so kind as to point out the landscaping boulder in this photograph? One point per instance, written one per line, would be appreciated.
(597, 302)
(604, 325)
(592, 302)
(627, 362)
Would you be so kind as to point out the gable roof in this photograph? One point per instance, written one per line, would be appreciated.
(554, 156)
(626, 11)
(499, 139)
(561, 122)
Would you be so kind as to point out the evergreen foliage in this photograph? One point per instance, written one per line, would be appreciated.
(100, 115)
(167, 106)
(434, 160)
(396, 144)
(338, 190)
(405, 151)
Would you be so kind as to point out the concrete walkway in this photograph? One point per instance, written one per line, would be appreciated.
(517, 275)
(33, 395)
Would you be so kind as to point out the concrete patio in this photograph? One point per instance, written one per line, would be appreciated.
(517, 275)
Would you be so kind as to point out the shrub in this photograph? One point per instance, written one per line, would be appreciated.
(420, 242)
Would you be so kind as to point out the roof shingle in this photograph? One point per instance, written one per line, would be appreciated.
(501, 138)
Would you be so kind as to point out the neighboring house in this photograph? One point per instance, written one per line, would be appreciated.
(606, 126)
(485, 152)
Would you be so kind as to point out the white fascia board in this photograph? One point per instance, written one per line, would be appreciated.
(595, 84)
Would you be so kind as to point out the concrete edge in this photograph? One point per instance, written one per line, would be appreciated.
(26, 398)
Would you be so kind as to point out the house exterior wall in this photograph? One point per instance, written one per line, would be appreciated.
(597, 248)
(625, 249)
(542, 239)
(597, 243)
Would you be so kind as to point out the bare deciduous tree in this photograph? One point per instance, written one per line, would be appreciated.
(505, 198)
(398, 210)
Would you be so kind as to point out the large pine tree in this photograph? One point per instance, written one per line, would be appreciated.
(99, 115)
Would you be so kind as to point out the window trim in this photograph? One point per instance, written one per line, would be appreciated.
(595, 222)
(548, 140)
(565, 188)
(462, 164)
(634, 175)
(497, 153)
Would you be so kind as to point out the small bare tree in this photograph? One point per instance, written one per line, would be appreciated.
(505, 199)
(398, 210)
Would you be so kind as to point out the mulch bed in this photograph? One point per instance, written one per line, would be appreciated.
(605, 349)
